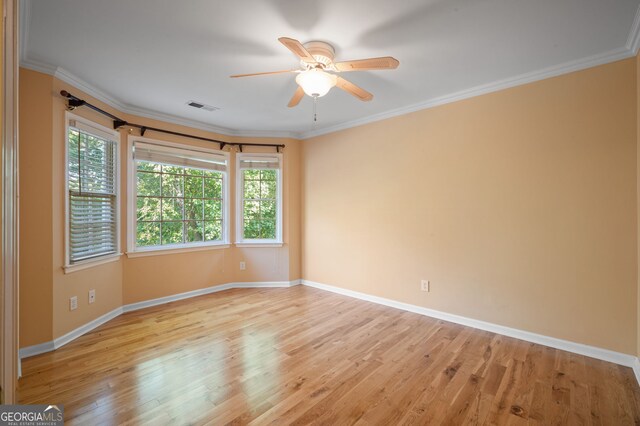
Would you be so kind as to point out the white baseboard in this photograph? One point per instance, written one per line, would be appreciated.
(174, 297)
(38, 349)
(578, 348)
(636, 369)
(214, 289)
(74, 334)
(266, 284)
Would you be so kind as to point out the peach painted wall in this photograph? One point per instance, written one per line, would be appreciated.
(45, 288)
(36, 208)
(519, 206)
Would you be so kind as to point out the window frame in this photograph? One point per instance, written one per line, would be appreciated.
(114, 136)
(132, 207)
(240, 240)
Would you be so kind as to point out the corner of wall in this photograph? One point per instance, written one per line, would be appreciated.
(638, 196)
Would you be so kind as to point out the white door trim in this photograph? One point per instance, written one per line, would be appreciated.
(9, 342)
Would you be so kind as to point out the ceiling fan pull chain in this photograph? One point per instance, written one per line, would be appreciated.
(315, 109)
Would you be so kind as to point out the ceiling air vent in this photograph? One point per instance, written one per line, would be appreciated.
(200, 105)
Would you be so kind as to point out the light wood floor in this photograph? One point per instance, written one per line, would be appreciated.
(301, 355)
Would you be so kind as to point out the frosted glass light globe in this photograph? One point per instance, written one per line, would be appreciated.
(316, 82)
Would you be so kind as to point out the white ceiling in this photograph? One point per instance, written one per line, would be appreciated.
(153, 56)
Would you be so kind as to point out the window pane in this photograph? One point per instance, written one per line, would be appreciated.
(268, 189)
(268, 229)
(251, 228)
(172, 185)
(193, 187)
(193, 209)
(96, 165)
(268, 174)
(193, 172)
(213, 188)
(149, 167)
(74, 161)
(212, 209)
(252, 189)
(148, 234)
(194, 231)
(251, 174)
(149, 184)
(172, 208)
(213, 230)
(251, 210)
(172, 232)
(173, 169)
(268, 210)
(148, 208)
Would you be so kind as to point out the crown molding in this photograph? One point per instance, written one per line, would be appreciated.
(633, 41)
(80, 84)
(554, 71)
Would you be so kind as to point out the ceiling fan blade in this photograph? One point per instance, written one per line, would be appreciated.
(298, 49)
(384, 63)
(351, 88)
(262, 73)
(297, 96)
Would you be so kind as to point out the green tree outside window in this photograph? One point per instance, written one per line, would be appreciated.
(260, 204)
(178, 205)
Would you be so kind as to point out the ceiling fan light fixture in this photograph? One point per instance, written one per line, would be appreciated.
(315, 82)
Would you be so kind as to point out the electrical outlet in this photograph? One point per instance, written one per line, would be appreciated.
(424, 285)
(243, 266)
(92, 296)
(73, 303)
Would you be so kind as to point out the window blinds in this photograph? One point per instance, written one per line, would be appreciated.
(92, 194)
(259, 162)
(179, 157)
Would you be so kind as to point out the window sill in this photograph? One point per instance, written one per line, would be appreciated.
(91, 263)
(174, 250)
(256, 244)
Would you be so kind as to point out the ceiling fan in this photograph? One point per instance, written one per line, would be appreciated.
(316, 74)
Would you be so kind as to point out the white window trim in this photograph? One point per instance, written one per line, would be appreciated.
(240, 241)
(79, 266)
(176, 248)
(265, 244)
(99, 260)
(132, 250)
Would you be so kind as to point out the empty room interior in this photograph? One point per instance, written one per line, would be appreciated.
(322, 212)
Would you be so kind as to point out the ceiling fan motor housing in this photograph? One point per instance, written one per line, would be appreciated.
(322, 52)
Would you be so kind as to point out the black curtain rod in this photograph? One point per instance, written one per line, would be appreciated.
(74, 102)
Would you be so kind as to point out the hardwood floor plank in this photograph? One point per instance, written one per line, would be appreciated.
(304, 356)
